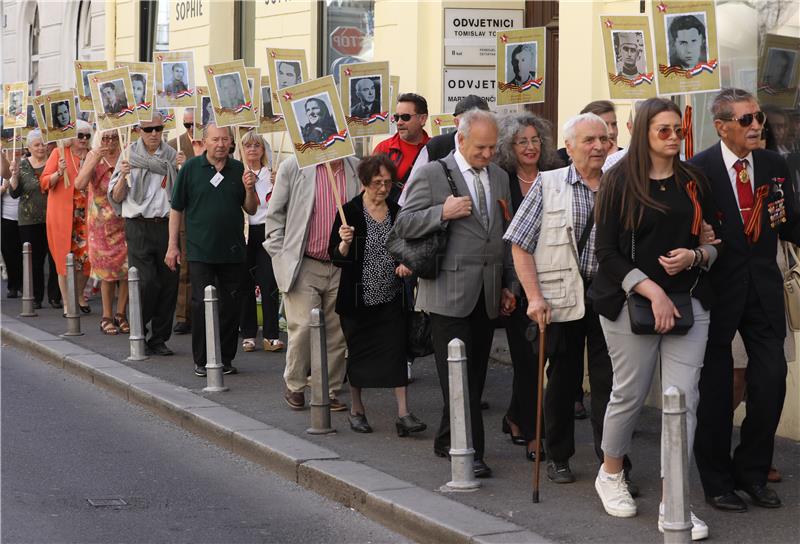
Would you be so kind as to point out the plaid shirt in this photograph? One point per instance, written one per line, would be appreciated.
(527, 223)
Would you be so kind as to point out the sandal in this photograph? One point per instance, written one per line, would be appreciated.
(107, 326)
(249, 344)
(273, 345)
(121, 322)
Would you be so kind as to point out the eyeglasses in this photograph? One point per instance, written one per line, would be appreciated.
(158, 128)
(533, 142)
(747, 119)
(665, 132)
(113, 138)
(378, 183)
(188, 126)
(404, 116)
(83, 136)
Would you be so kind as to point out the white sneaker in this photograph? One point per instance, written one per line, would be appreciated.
(612, 490)
(699, 527)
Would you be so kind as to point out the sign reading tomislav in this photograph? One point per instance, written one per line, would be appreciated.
(470, 34)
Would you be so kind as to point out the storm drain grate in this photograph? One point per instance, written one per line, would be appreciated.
(104, 503)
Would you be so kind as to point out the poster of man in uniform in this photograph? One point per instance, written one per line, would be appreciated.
(230, 95)
(520, 66)
(60, 115)
(443, 123)
(779, 71)
(628, 56)
(143, 81)
(9, 137)
(15, 98)
(83, 70)
(112, 95)
(286, 67)
(316, 122)
(269, 121)
(365, 96)
(203, 112)
(686, 47)
(174, 79)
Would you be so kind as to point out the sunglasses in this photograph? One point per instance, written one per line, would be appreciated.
(188, 126)
(83, 136)
(747, 119)
(159, 128)
(404, 116)
(665, 132)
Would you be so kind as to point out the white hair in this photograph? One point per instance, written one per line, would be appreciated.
(573, 122)
(33, 135)
(467, 119)
(80, 124)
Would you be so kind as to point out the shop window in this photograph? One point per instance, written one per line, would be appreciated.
(244, 31)
(153, 28)
(346, 37)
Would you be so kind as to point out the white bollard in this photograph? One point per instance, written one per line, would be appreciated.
(71, 304)
(320, 401)
(461, 452)
(136, 336)
(675, 462)
(27, 282)
(214, 379)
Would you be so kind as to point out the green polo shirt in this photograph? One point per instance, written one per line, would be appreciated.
(213, 215)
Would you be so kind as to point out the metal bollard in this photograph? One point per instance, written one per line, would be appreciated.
(320, 401)
(461, 451)
(27, 281)
(675, 462)
(214, 379)
(136, 336)
(71, 304)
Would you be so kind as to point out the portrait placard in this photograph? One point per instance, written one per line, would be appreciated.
(629, 56)
(84, 69)
(175, 79)
(442, 123)
(685, 42)
(286, 67)
(168, 117)
(41, 117)
(30, 119)
(227, 85)
(203, 112)
(365, 96)
(60, 115)
(779, 71)
(316, 122)
(254, 84)
(269, 121)
(112, 96)
(10, 137)
(144, 84)
(520, 69)
(15, 99)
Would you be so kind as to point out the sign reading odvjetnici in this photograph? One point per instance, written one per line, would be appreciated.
(347, 40)
(470, 35)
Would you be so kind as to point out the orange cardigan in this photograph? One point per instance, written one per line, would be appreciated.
(60, 208)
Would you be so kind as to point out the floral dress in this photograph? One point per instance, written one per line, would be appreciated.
(108, 251)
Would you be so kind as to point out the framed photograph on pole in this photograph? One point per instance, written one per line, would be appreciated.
(254, 84)
(227, 85)
(629, 56)
(15, 101)
(443, 123)
(41, 118)
(84, 69)
(31, 123)
(143, 80)
(60, 115)
(286, 67)
(779, 71)
(175, 79)
(203, 112)
(520, 69)
(269, 120)
(365, 95)
(112, 96)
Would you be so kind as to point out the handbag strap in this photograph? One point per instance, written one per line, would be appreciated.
(452, 183)
(790, 251)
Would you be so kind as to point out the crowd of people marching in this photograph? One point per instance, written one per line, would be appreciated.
(630, 260)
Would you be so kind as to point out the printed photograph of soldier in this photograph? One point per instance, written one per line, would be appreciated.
(314, 118)
(266, 102)
(85, 77)
(113, 96)
(687, 40)
(365, 96)
(60, 113)
(139, 83)
(15, 103)
(629, 52)
(30, 118)
(174, 77)
(288, 72)
(229, 90)
(208, 111)
(780, 68)
(521, 59)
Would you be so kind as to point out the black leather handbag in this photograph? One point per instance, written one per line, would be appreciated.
(421, 255)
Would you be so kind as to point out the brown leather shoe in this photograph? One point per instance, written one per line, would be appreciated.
(337, 405)
(296, 401)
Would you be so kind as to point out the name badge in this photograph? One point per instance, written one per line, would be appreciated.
(217, 179)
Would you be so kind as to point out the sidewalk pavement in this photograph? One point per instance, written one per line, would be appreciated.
(390, 479)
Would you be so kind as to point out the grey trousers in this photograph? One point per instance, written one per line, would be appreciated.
(634, 358)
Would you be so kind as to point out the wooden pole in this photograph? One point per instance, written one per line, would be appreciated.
(537, 462)
(237, 134)
(280, 151)
(336, 195)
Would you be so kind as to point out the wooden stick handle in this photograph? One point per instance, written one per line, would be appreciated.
(280, 151)
(336, 195)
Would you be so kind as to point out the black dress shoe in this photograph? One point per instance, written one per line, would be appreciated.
(530, 454)
(182, 327)
(55, 303)
(727, 502)
(12, 293)
(762, 495)
(481, 469)
(515, 438)
(441, 452)
(409, 423)
(359, 423)
(158, 349)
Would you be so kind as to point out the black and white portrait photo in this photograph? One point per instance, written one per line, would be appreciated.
(139, 83)
(266, 102)
(687, 39)
(288, 72)
(60, 113)
(208, 111)
(315, 118)
(174, 76)
(780, 68)
(629, 52)
(365, 96)
(15, 105)
(112, 94)
(521, 59)
(85, 76)
(30, 118)
(229, 90)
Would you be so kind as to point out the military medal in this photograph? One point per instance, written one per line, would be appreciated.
(743, 177)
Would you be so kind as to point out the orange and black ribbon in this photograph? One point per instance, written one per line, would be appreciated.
(697, 217)
(752, 229)
(689, 133)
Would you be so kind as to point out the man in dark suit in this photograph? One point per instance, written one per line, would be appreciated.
(754, 195)
(470, 288)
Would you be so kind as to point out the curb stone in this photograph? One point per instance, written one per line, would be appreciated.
(401, 506)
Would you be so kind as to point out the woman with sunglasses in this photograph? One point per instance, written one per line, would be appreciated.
(649, 217)
(108, 251)
(66, 211)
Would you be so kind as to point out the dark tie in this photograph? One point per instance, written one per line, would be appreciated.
(481, 194)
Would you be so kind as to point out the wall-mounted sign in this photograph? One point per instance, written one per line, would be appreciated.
(460, 82)
(470, 35)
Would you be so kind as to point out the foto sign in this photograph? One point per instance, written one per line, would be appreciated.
(470, 35)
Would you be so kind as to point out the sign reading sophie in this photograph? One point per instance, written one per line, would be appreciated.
(470, 35)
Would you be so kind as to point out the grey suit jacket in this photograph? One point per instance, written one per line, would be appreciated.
(475, 259)
(289, 212)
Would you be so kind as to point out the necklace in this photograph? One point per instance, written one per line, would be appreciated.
(525, 181)
(661, 184)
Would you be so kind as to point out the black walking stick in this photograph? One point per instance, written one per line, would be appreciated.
(537, 462)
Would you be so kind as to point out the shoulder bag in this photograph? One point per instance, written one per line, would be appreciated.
(422, 255)
(791, 285)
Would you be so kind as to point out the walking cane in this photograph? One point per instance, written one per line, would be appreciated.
(537, 463)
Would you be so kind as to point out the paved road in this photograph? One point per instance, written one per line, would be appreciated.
(64, 441)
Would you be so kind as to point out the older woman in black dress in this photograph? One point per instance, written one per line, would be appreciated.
(370, 297)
